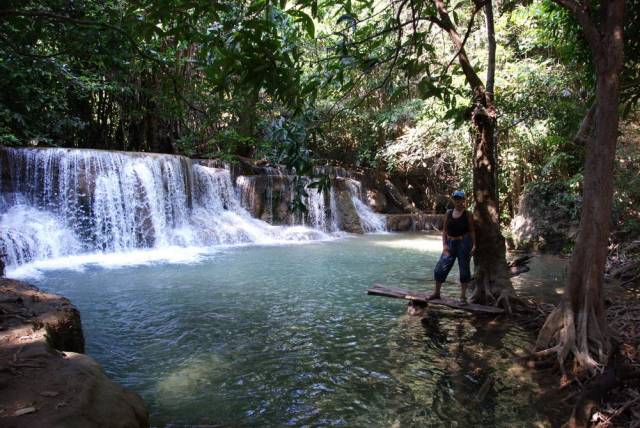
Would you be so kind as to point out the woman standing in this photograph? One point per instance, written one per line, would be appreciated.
(458, 242)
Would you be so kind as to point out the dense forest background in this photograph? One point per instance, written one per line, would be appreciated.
(372, 85)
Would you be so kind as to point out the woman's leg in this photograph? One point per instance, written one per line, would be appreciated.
(442, 269)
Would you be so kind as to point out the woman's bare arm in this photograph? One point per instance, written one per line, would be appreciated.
(445, 247)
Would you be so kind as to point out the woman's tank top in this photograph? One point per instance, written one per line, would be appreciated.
(457, 226)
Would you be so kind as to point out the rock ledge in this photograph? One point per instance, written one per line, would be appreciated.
(45, 379)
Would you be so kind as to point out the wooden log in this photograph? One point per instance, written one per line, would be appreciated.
(421, 297)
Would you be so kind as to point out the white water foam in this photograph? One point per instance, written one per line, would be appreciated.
(29, 233)
(176, 255)
(90, 204)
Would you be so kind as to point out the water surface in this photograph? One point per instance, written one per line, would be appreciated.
(286, 335)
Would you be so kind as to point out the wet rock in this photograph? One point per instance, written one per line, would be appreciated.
(24, 411)
(267, 197)
(399, 198)
(144, 229)
(346, 214)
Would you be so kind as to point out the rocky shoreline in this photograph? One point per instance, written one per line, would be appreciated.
(45, 378)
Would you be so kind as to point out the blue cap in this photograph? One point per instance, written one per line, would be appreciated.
(458, 194)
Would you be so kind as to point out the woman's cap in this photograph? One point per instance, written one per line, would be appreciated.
(458, 194)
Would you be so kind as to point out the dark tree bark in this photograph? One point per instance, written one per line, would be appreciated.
(577, 328)
(247, 119)
(491, 277)
(491, 44)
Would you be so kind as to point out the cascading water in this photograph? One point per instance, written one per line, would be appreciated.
(269, 197)
(317, 216)
(59, 202)
(370, 221)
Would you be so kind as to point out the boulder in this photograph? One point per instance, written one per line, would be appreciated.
(46, 380)
(376, 200)
(267, 197)
(399, 198)
(547, 218)
(346, 214)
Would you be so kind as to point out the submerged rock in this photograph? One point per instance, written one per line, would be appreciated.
(46, 380)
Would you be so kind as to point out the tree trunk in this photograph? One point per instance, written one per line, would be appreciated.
(578, 327)
(491, 276)
(247, 123)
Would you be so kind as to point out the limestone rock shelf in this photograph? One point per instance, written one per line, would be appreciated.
(414, 222)
(45, 379)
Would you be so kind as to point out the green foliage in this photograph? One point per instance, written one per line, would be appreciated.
(626, 198)
(300, 81)
(558, 196)
(288, 137)
(131, 74)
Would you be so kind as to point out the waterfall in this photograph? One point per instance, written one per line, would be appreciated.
(317, 215)
(270, 196)
(63, 202)
(59, 202)
(333, 207)
(370, 221)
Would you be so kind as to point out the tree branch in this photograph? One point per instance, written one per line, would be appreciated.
(446, 24)
(491, 41)
(398, 46)
(591, 33)
(466, 37)
(398, 27)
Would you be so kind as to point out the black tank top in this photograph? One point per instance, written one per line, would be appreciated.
(457, 226)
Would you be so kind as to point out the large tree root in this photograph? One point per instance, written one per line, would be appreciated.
(579, 337)
(610, 395)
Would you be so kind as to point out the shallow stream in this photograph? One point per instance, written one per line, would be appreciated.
(286, 335)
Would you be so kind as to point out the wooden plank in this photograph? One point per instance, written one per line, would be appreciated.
(421, 297)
